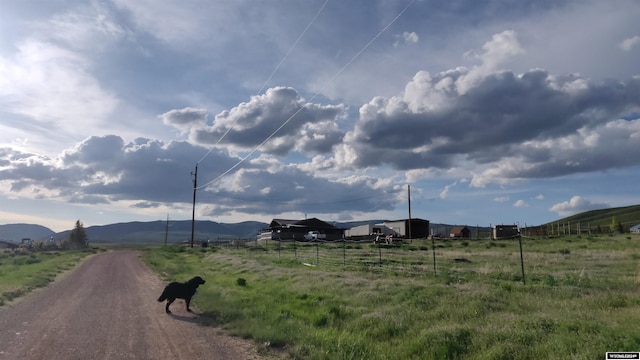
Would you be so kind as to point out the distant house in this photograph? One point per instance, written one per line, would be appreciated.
(369, 231)
(461, 232)
(409, 228)
(505, 231)
(8, 245)
(283, 229)
(635, 229)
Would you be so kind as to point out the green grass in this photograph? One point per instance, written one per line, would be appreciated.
(22, 271)
(580, 299)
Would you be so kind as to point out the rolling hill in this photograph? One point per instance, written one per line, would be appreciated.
(177, 231)
(628, 216)
(15, 232)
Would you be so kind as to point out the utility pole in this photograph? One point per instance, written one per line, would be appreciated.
(193, 211)
(409, 201)
(166, 231)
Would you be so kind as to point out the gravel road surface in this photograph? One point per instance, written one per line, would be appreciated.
(107, 309)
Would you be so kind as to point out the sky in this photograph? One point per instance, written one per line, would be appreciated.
(480, 112)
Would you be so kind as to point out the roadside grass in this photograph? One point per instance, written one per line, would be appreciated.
(22, 271)
(580, 299)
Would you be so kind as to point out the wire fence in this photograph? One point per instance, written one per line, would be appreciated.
(550, 260)
(415, 258)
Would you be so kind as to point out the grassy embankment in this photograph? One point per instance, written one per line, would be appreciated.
(22, 271)
(580, 299)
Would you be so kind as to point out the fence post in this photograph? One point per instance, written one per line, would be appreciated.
(433, 248)
(317, 252)
(380, 254)
(344, 251)
(295, 249)
(524, 282)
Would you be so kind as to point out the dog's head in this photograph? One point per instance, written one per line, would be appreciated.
(197, 281)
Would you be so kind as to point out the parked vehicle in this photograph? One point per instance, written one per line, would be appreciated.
(315, 235)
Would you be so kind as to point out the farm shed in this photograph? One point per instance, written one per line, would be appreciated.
(8, 245)
(505, 231)
(284, 229)
(419, 227)
(635, 229)
(461, 232)
(369, 230)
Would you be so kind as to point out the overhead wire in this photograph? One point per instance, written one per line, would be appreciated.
(286, 202)
(338, 73)
(295, 43)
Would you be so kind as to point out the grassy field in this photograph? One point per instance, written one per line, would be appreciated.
(335, 302)
(21, 271)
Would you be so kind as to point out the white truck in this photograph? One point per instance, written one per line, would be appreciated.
(315, 235)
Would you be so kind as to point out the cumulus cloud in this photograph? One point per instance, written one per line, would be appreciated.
(630, 43)
(502, 127)
(107, 170)
(186, 118)
(501, 199)
(279, 120)
(575, 205)
(580, 152)
(500, 49)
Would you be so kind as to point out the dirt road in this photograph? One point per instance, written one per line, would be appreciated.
(107, 309)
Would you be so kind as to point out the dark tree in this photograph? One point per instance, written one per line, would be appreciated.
(78, 238)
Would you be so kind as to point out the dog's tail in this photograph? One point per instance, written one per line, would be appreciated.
(163, 296)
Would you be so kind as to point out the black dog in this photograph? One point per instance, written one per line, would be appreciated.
(176, 290)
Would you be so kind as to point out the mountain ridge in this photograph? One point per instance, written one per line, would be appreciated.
(155, 232)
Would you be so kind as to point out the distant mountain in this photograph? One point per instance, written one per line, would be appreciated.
(16, 232)
(154, 232)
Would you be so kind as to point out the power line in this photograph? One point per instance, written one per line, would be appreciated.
(290, 202)
(313, 97)
(295, 43)
(293, 46)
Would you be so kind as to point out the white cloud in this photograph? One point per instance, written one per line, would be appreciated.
(279, 114)
(578, 152)
(185, 119)
(91, 27)
(540, 126)
(520, 203)
(630, 43)
(151, 174)
(501, 199)
(576, 205)
(54, 87)
(445, 191)
(500, 49)
(406, 38)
